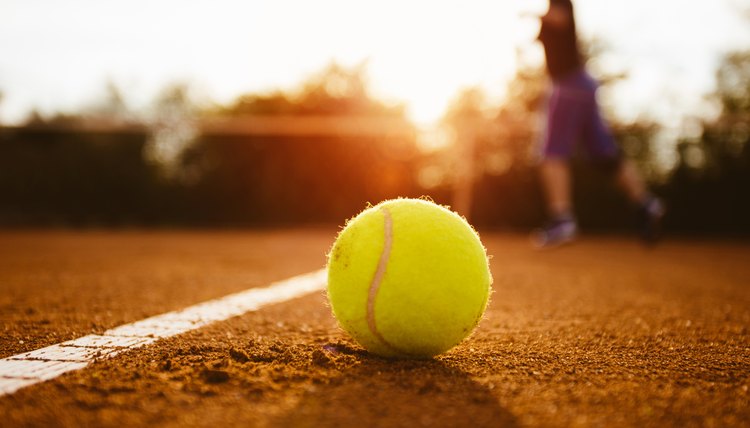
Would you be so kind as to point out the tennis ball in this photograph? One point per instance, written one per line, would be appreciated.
(408, 278)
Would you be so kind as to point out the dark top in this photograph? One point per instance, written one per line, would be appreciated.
(561, 45)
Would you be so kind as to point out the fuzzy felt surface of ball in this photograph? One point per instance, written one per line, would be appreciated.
(408, 278)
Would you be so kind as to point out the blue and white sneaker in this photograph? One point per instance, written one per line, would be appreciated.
(555, 233)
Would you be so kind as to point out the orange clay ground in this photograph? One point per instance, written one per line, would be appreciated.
(600, 333)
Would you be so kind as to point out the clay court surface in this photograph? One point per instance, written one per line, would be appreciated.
(600, 333)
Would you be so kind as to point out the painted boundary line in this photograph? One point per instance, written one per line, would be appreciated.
(43, 364)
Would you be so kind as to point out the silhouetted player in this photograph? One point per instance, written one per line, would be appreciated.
(573, 116)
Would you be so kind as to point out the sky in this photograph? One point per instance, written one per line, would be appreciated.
(59, 55)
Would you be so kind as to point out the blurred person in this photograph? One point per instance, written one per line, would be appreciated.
(573, 116)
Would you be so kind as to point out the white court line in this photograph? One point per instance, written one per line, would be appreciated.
(43, 364)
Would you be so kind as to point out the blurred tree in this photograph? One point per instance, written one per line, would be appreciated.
(173, 124)
(341, 91)
(508, 195)
(724, 144)
(733, 83)
(112, 108)
(712, 176)
(467, 119)
(519, 118)
(335, 90)
(636, 141)
(255, 104)
(286, 178)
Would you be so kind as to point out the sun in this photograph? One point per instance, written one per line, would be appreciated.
(432, 53)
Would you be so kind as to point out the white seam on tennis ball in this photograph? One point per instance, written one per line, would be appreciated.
(377, 278)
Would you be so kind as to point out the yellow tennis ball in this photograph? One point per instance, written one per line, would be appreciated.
(408, 278)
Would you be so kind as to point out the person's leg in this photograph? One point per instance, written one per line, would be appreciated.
(629, 180)
(649, 209)
(555, 176)
(561, 228)
(603, 149)
(562, 131)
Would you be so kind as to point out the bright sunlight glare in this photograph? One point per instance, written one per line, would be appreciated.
(60, 56)
(417, 53)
